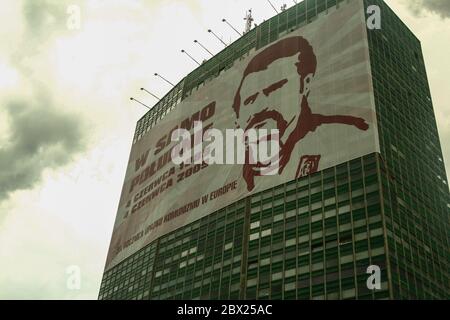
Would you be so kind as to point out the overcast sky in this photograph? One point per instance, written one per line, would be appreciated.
(66, 121)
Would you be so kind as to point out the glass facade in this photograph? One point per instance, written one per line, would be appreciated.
(415, 191)
(311, 238)
(314, 238)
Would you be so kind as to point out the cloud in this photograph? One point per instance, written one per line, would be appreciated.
(42, 22)
(41, 136)
(440, 7)
(44, 17)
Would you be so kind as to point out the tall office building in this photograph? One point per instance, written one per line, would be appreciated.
(361, 183)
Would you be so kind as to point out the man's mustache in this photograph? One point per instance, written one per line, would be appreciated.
(264, 115)
(252, 170)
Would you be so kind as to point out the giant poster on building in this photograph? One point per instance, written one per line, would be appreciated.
(313, 85)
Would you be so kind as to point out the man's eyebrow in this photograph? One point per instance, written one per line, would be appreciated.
(275, 86)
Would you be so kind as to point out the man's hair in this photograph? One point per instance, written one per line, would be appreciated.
(282, 49)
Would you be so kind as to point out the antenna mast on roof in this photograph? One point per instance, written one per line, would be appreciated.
(248, 21)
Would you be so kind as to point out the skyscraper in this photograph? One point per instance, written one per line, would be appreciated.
(362, 180)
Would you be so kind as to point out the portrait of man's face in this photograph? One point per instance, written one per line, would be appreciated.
(262, 92)
(273, 94)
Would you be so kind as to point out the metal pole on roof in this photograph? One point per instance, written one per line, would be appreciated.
(215, 35)
(186, 53)
(153, 95)
(160, 76)
(273, 7)
(198, 42)
(231, 26)
(133, 99)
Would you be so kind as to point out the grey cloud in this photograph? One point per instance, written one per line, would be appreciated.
(45, 17)
(40, 137)
(43, 21)
(440, 7)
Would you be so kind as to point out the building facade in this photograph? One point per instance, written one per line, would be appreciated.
(314, 237)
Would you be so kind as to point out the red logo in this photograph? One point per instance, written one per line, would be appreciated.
(307, 166)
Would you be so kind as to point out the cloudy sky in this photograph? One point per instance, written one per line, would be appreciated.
(66, 121)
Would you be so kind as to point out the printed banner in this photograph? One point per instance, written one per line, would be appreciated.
(314, 85)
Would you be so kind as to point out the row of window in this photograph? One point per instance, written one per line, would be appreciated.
(417, 225)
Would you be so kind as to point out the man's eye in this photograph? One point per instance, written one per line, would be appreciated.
(251, 99)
